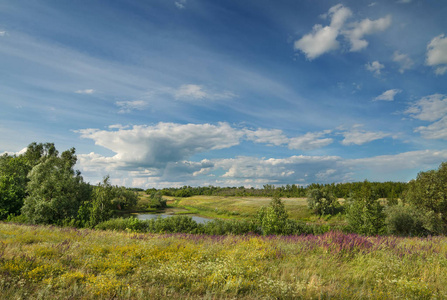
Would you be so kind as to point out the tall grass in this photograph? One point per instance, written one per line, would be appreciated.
(41, 262)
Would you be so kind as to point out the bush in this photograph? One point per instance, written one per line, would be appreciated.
(404, 221)
(429, 193)
(365, 214)
(273, 218)
(156, 201)
(121, 224)
(323, 202)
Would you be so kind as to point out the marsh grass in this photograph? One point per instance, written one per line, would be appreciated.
(41, 262)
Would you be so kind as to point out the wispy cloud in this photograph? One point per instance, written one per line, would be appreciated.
(403, 60)
(432, 108)
(181, 4)
(194, 92)
(2, 33)
(388, 95)
(358, 30)
(375, 67)
(358, 136)
(437, 54)
(128, 106)
(310, 141)
(86, 91)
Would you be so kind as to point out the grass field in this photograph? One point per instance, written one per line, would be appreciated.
(42, 262)
(239, 207)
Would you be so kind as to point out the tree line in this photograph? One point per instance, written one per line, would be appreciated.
(42, 187)
(387, 189)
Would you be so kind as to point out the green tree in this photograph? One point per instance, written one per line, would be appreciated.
(13, 180)
(322, 201)
(273, 218)
(365, 214)
(101, 207)
(55, 190)
(156, 201)
(428, 192)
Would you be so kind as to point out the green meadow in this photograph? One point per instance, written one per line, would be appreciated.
(42, 262)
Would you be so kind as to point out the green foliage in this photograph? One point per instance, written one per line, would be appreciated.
(273, 218)
(156, 201)
(405, 221)
(429, 192)
(184, 192)
(323, 202)
(101, 207)
(124, 198)
(13, 180)
(55, 190)
(365, 214)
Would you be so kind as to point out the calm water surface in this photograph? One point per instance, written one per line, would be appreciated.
(199, 220)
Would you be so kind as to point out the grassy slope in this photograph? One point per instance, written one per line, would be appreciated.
(39, 262)
(239, 207)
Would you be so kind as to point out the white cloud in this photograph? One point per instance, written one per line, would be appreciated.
(429, 108)
(387, 164)
(2, 33)
(437, 130)
(180, 4)
(403, 60)
(298, 169)
(365, 27)
(310, 141)
(437, 54)
(191, 91)
(404, 1)
(358, 136)
(324, 39)
(155, 146)
(86, 91)
(375, 67)
(128, 106)
(195, 92)
(267, 136)
(388, 95)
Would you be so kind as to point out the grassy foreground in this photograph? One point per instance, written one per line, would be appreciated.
(42, 262)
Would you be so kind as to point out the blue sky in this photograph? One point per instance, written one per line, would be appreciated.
(228, 93)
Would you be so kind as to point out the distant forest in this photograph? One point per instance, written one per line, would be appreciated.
(387, 189)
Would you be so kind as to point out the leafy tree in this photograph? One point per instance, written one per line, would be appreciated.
(157, 201)
(55, 190)
(13, 180)
(429, 192)
(322, 201)
(273, 218)
(407, 220)
(365, 214)
(124, 198)
(101, 208)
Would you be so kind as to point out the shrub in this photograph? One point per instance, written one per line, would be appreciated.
(365, 214)
(405, 221)
(323, 202)
(156, 201)
(273, 218)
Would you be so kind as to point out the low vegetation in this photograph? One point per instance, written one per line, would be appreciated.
(42, 262)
